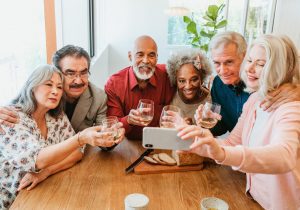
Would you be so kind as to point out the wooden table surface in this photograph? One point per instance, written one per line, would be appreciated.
(99, 182)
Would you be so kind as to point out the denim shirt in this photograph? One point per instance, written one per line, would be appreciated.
(231, 98)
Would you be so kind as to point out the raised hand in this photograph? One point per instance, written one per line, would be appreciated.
(204, 143)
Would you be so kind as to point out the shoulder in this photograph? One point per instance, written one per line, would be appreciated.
(96, 91)
(290, 108)
(161, 69)
(117, 78)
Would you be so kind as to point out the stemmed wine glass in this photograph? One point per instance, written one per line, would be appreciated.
(210, 115)
(170, 117)
(146, 109)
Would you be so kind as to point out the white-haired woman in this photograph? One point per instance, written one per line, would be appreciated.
(187, 71)
(264, 145)
(43, 142)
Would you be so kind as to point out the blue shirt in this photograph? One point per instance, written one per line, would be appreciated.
(231, 98)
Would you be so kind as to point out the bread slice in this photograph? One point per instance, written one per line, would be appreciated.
(150, 160)
(167, 159)
(184, 159)
(156, 158)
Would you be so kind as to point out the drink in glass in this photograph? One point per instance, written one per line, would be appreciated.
(146, 109)
(210, 115)
(170, 117)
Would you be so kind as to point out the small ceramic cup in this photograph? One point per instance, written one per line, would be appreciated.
(212, 203)
(136, 201)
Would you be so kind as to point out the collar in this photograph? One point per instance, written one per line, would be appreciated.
(238, 88)
(133, 80)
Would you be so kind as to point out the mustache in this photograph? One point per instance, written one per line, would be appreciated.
(145, 65)
(76, 85)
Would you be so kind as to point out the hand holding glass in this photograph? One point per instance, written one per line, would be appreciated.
(209, 115)
(146, 110)
(110, 128)
(170, 117)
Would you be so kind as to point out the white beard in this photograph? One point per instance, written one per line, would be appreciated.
(143, 76)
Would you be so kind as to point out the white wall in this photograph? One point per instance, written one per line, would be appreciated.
(99, 68)
(72, 23)
(287, 17)
(128, 19)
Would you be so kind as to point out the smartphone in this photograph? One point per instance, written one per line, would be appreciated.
(164, 138)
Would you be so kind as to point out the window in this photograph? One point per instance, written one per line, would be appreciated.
(250, 18)
(23, 44)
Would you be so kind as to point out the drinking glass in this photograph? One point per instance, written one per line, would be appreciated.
(109, 128)
(210, 115)
(146, 109)
(170, 117)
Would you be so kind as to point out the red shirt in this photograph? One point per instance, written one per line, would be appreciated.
(123, 94)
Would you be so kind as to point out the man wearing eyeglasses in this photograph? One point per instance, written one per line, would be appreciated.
(85, 103)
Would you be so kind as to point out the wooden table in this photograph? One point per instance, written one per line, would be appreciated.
(99, 182)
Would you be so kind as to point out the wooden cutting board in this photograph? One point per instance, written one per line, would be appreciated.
(147, 168)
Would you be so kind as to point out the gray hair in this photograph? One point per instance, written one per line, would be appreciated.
(26, 100)
(282, 65)
(190, 56)
(226, 38)
(70, 50)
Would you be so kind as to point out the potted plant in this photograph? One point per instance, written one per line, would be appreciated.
(202, 32)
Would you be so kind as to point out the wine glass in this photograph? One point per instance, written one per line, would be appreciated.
(210, 115)
(146, 109)
(170, 117)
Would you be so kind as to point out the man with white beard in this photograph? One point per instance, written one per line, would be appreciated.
(143, 80)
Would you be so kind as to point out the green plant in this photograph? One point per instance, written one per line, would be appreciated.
(201, 33)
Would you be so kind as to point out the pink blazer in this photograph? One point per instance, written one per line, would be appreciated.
(272, 167)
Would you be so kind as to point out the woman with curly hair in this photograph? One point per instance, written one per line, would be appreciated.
(187, 71)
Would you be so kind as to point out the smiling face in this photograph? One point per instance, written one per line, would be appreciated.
(227, 63)
(144, 57)
(76, 76)
(49, 93)
(188, 82)
(254, 65)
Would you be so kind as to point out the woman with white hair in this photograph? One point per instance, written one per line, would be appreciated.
(264, 145)
(187, 71)
(43, 142)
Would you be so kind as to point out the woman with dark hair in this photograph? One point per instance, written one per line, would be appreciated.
(43, 142)
(188, 70)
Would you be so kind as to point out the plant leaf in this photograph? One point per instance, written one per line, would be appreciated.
(209, 24)
(213, 11)
(205, 17)
(195, 40)
(204, 33)
(221, 24)
(192, 28)
(186, 19)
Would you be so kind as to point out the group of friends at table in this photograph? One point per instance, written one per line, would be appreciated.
(45, 128)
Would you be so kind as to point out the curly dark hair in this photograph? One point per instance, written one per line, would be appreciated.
(193, 56)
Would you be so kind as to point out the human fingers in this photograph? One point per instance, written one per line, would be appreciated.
(25, 181)
(193, 133)
(121, 135)
(32, 185)
(186, 130)
(119, 125)
(9, 115)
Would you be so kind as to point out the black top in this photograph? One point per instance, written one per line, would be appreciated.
(69, 109)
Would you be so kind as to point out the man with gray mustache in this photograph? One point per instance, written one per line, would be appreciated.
(85, 103)
(143, 80)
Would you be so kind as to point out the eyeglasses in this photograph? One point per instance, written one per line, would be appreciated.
(73, 74)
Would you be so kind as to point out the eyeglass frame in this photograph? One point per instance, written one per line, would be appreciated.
(84, 74)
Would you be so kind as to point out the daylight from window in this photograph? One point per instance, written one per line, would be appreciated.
(22, 42)
(257, 18)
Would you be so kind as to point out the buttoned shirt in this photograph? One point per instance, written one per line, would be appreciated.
(124, 93)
